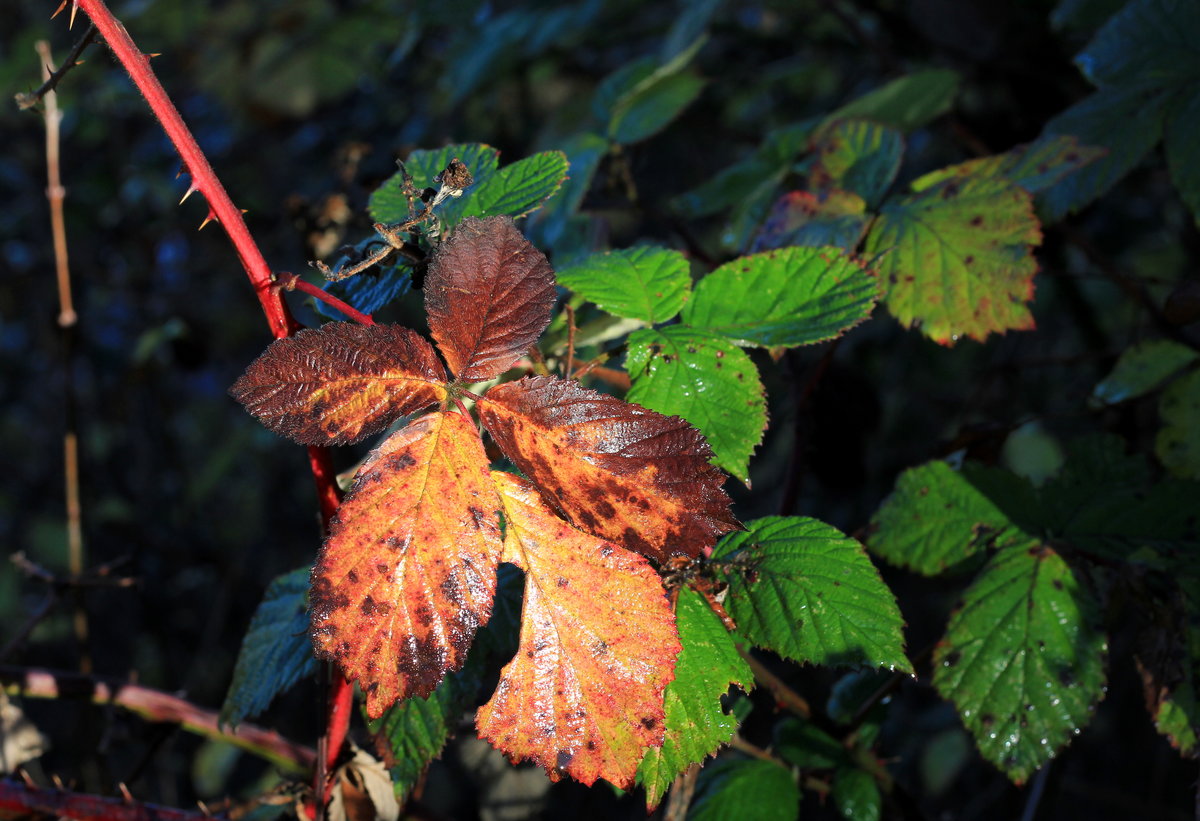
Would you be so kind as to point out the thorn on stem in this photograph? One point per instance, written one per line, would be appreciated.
(58, 10)
(191, 190)
(74, 9)
(210, 218)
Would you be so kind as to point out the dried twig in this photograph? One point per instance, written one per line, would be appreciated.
(51, 79)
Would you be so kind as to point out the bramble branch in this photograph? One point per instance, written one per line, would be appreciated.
(28, 800)
(30, 99)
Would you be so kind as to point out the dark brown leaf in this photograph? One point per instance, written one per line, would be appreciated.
(488, 294)
(614, 469)
(340, 383)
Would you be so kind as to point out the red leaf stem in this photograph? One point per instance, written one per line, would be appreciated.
(290, 281)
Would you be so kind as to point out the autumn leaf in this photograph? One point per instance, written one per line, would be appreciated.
(613, 469)
(408, 572)
(488, 294)
(584, 694)
(340, 383)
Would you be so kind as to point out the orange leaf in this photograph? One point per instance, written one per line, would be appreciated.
(408, 572)
(614, 469)
(584, 694)
(341, 382)
(488, 295)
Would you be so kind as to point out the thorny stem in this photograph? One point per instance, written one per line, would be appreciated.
(222, 209)
(157, 706)
(51, 80)
(27, 800)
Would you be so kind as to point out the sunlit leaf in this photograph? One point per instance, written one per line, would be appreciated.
(387, 203)
(937, 516)
(706, 379)
(1023, 658)
(696, 724)
(1142, 368)
(1178, 443)
(488, 295)
(809, 593)
(1035, 167)
(341, 382)
(616, 470)
(584, 694)
(957, 259)
(276, 650)
(793, 296)
(858, 156)
(644, 283)
(407, 574)
(519, 188)
(749, 790)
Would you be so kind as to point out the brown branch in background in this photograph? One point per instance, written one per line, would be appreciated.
(680, 798)
(50, 79)
(28, 801)
(784, 695)
(157, 706)
(68, 320)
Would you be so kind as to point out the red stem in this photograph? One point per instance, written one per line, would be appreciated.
(291, 281)
(279, 318)
(23, 800)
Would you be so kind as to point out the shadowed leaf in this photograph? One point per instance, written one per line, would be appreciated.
(341, 382)
(616, 470)
(407, 574)
(488, 294)
(584, 694)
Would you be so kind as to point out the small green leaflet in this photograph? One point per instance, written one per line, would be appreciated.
(748, 790)
(957, 257)
(792, 296)
(906, 103)
(856, 795)
(1144, 65)
(646, 283)
(1168, 659)
(641, 98)
(513, 190)
(696, 725)
(276, 652)
(858, 156)
(706, 379)
(1178, 443)
(1142, 368)
(937, 517)
(1023, 658)
(806, 591)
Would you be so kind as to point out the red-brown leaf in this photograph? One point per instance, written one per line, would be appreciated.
(488, 295)
(614, 469)
(584, 694)
(341, 382)
(408, 572)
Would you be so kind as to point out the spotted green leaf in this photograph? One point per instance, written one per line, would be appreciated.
(646, 283)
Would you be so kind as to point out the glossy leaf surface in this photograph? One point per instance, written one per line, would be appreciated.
(616, 470)
(707, 380)
(488, 295)
(1023, 658)
(804, 590)
(696, 724)
(407, 574)
(956, 257)
(341, 382)
(793, 296)
(584, 694)
(276, 651)
(644, 283)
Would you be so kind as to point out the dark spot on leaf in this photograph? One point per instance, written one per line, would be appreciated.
(649, 723)
(563, 759)
(367, 606)
(952, 658)
(561, 582)
(1058, 585)
(600, 648)
(478, 516)
(400, 461)
(591, 745)
(987, 719)
(381, 568)
(352, 576)
(720, 354)
(977, 220)
(691, 349)
(969, 259)
(605, 550)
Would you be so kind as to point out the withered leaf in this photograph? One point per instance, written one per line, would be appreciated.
(340, 383)
(488, 295)
(612, 468)
(584, 694)
(408, 572)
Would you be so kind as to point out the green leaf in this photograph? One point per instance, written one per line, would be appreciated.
(276, 652)
(792, 296)
(802, 743)
(1142, 368)
(957, 257)
(1178, 443)
(937, 516)
(650, 284)
(1035, 167)
(856, 795)
(754, 790)
(696, 725)
(906, 103)
(706, 379)
(1125, 121)
(1168, 659)
(1023, 658)
(804, 590)
(652, 107)
(858, 156)
(514, 190)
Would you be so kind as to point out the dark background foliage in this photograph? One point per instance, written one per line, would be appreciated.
(302, 107)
